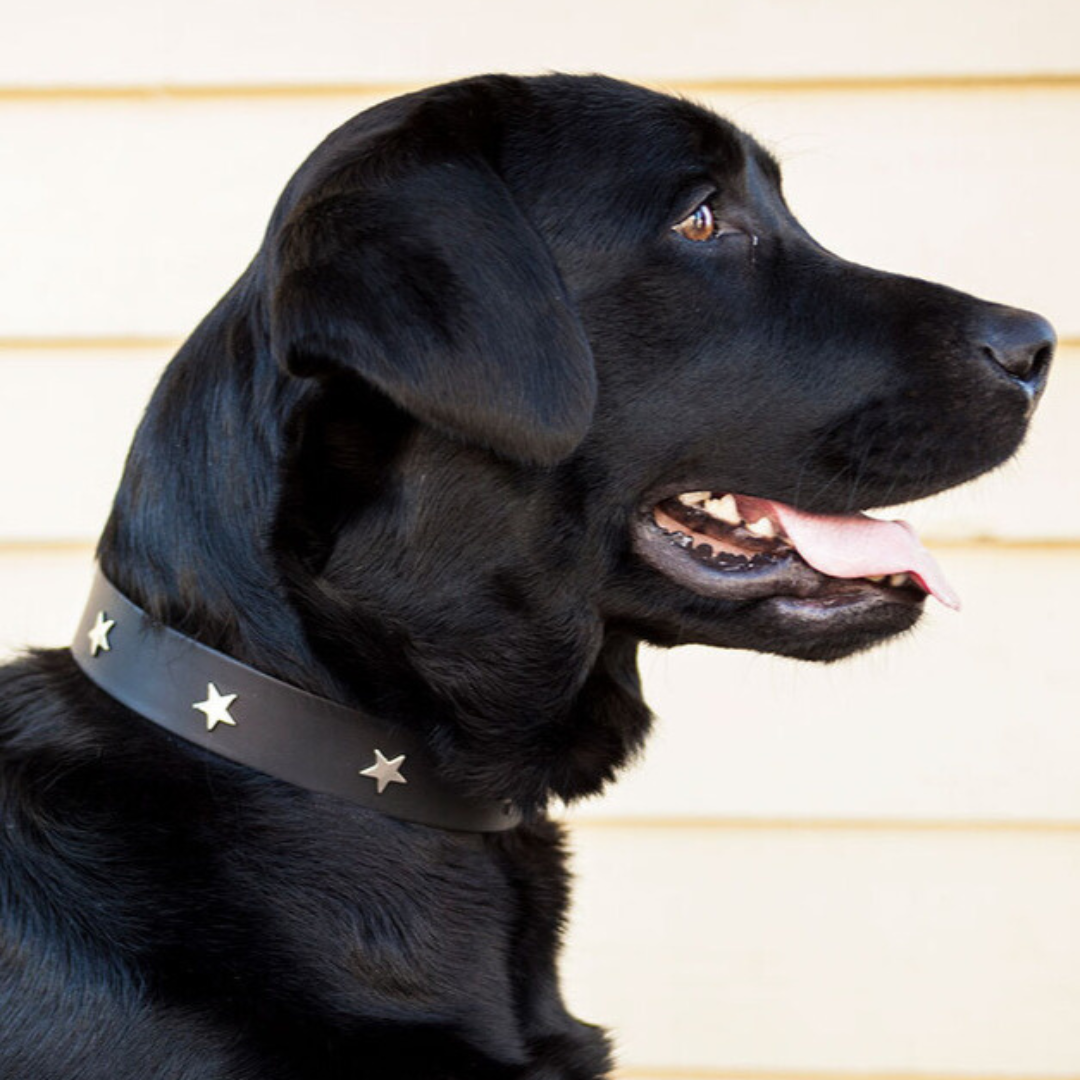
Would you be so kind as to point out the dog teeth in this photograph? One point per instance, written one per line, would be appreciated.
(894, 580)
(725, 510)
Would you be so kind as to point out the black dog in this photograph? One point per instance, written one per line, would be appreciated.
(526, 371)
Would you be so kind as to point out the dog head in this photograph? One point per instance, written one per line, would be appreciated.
(529, 370)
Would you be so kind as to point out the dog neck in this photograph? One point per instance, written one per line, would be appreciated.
(254, 719)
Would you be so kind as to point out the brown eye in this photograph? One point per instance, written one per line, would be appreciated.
(699, 226)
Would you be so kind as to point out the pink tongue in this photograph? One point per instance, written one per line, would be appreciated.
(860, 546)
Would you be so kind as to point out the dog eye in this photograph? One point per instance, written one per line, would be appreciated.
(698, 226)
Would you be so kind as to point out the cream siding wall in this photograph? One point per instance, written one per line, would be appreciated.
(871, 869)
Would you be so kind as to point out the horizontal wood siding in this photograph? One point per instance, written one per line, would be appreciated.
(832, 951)
(130, 217)
(244, 42)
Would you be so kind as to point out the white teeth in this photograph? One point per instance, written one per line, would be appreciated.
(877, 579)
(725, 509)
(762, 528)
(694, 498)
(898, 579)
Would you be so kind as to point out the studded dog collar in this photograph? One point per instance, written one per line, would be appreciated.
(234, 710)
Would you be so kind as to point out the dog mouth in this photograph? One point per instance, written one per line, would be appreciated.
(740, 547)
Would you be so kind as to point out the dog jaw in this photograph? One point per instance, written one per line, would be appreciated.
(754, 548)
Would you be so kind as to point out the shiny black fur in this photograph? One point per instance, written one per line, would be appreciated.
(397, 465)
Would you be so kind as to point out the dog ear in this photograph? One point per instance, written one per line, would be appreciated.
(417, 271)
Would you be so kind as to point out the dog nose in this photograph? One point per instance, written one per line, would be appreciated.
(1021, 343)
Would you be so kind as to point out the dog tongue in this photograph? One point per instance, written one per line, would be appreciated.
(859, 546)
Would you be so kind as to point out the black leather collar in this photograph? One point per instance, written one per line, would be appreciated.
(254, 719)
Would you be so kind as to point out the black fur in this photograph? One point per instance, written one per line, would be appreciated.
(398, 466)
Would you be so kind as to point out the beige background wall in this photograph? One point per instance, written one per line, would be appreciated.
(863, 870)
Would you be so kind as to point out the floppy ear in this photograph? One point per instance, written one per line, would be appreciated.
(424, 277)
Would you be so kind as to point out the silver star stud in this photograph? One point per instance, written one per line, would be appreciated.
(385, 772)
(216, 707)
(99, 634)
